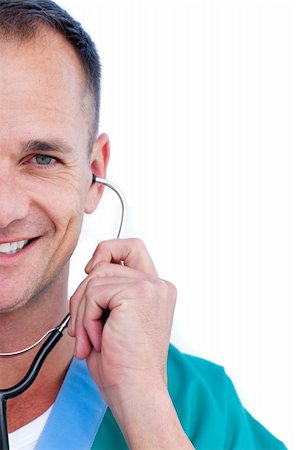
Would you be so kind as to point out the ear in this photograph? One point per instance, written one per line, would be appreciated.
(98, 164)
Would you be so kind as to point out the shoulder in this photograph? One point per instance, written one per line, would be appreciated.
(198, 390)
(209, 408)
(195, 371)
(191, 377)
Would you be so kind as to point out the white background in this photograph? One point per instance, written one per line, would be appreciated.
(199, 101)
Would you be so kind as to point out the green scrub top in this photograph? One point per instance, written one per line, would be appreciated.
(208, 407)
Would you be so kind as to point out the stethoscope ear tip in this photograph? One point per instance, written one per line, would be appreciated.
(112, 186)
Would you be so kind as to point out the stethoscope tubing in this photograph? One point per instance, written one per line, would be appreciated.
(25, 383)
(53, 338)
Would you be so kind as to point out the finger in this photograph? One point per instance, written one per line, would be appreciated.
(90, 315)
(131, 251)
(116, 274)
(104, 269)
(79, 294)
(97, 283)
(104, 296)
(92, 320)
(74, 305)
(82, 343)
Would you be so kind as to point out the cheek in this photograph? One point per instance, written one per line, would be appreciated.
(61, 204)
(66, 212)
(58, 199)
(60, 193)
(65, 218)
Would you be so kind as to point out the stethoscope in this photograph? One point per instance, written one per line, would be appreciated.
(54, 335)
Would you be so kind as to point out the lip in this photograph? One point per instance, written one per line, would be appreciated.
(16, 240)
(5, 257)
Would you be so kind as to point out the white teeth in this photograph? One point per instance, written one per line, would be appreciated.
(12, 247)
(21, 244)
(5, 248)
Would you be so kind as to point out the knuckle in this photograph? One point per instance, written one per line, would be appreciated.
(104, 248)
(172, 289)
(103, 244)
(156, 288)
(168, 290)
(137, 243)
(90, 289)
(101, 248)
(100, 268)
(145, 287)
(161, 285)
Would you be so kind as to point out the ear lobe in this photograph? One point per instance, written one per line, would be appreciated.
(98, 165)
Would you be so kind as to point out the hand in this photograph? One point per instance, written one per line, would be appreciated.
(129, 350)
(127, 353)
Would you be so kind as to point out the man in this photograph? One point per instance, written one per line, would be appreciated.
(49, 149)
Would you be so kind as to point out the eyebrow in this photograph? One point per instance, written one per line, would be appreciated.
(46, 146)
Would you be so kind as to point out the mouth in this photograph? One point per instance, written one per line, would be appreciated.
(10, 248)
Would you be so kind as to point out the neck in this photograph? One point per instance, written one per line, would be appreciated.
(20, 329)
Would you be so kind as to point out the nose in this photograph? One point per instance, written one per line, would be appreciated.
(14, 202)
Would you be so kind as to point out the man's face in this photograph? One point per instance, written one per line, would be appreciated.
(45, 169)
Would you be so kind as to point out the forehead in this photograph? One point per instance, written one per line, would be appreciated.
(42, 84)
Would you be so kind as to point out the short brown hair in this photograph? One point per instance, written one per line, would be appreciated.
(22, 19)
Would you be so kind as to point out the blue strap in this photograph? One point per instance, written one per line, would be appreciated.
(77, 413)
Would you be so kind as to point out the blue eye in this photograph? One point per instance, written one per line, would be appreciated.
(44, 160)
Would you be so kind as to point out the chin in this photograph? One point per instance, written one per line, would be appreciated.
(11, 306)
(12, 301)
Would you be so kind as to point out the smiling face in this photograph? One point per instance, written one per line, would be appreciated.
(45, 166)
